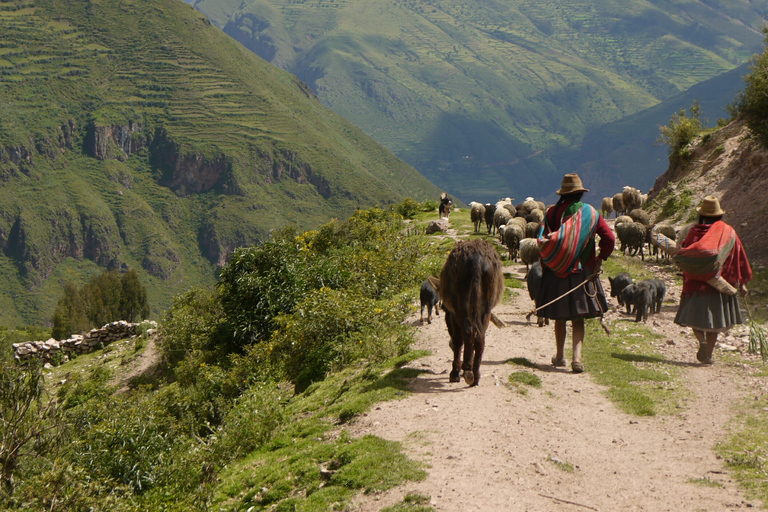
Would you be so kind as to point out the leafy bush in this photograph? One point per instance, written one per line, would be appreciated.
(193, 323)
(122, 439)
(430, 205)
(26, 418)
(408, 208)
(680, 131)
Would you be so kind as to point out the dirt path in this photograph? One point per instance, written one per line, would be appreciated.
(491, 448)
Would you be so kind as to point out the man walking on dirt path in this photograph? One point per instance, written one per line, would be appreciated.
(569, 260)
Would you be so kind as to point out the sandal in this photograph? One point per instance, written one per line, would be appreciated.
(558, 362)
(577, 367)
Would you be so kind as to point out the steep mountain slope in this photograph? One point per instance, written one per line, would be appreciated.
(478, 95)
(137, 134)
(729, 164)
(625, 152)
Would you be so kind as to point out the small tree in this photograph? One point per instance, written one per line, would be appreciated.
(133, 304)
(681, 130)
(69, 316)
(105, 298)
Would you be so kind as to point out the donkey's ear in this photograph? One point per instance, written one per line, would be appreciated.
(435, 282)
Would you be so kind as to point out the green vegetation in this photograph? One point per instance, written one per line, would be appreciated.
(412, 503)
(242, 413)
(745, 452)
(752, 103)
(521, 379)
(562, 465)
(675, 204)
(639, 381)
(136, 135)
(704, 482)
(470, 93)
(105, 298)
(680, 132)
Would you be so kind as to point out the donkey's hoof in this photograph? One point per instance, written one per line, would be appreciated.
(469, 377)
(454, 377)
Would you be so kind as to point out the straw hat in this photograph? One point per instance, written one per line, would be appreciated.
(571, 183)
(710, 207)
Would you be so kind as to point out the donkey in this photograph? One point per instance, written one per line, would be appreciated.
(471, 284)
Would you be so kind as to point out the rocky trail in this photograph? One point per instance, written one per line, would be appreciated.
(564, 446)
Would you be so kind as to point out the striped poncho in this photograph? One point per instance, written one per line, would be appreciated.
(563, 250)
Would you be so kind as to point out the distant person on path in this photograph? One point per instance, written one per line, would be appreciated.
(704, 308)
(445, 205)
(573, 261)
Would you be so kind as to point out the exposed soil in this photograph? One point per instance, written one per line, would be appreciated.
(492, 448)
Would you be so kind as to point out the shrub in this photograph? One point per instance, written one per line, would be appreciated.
(408, 208)
(26, 418)
(195, 322)
(680, 131)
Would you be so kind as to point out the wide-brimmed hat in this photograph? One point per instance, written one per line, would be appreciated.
(710, 207)
(571, 183)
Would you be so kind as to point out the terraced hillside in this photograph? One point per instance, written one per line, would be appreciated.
(486, 98)
(136, 134)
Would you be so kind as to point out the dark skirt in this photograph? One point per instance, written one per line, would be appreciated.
(713, 312)
(586, 302)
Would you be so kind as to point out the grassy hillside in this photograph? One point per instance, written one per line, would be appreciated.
(480, 96)
(136, 134)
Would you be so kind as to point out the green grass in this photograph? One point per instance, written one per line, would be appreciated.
(745, 451)
(566, 467)
(522, 380)
(412, 503)
(313, 465)
(704, 482)
(639, 381)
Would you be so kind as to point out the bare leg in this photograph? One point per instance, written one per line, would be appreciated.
(711, 342)
(578, 338)
(560, 340)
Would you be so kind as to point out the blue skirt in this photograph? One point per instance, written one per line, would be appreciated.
(712, 312)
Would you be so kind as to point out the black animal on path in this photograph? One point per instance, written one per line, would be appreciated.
(430, 298)
(618, 283)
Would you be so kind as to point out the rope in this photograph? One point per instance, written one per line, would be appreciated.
(591, 295)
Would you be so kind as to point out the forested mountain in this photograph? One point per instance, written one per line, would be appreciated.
(135, 134)
(489, 98)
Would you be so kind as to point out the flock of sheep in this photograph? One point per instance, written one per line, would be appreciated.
(517, 225)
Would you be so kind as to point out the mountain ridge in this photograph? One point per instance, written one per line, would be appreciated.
(138, 135)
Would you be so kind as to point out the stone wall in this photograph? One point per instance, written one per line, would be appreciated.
(76, 344)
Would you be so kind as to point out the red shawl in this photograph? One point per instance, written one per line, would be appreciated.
(709, 238)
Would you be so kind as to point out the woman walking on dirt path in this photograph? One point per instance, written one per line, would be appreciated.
(574, 261)
(702, 307)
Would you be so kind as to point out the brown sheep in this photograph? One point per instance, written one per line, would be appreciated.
(471, 285)
(618, 204)
(606, 207)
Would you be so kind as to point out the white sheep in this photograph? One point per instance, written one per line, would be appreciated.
(529, 252)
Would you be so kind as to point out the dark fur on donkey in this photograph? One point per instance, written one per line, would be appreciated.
(471, 284)
(429, 298)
